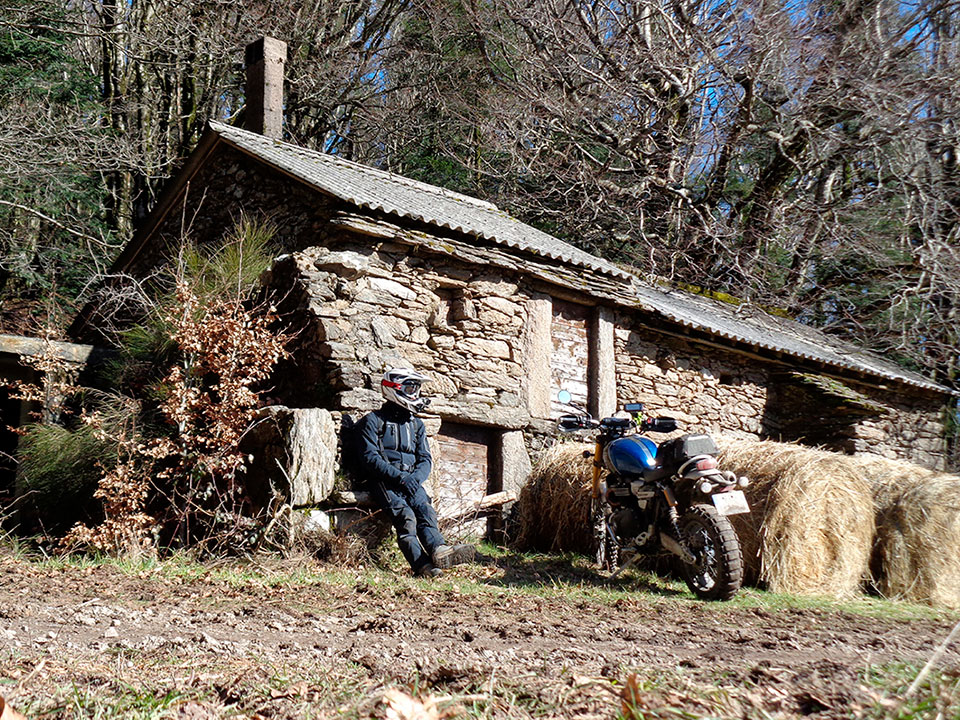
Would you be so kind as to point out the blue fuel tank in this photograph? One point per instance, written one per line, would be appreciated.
(631, 455)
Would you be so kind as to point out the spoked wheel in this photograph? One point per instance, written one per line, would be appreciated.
(607, 551)
(718, 571)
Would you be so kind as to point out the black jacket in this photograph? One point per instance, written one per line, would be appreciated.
(394, 448)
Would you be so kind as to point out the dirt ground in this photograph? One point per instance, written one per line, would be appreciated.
(505, 639)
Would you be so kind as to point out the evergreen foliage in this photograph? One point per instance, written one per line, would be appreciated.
(51, 231)
(58, 473)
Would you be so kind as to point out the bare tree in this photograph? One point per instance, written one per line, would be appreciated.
(800, 156)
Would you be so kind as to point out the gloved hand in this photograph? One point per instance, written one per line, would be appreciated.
(409, 485)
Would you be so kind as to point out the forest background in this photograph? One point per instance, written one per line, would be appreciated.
(799, 154)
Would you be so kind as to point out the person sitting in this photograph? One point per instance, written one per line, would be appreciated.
(395, 460)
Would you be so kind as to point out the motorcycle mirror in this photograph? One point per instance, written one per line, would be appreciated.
(564, 397)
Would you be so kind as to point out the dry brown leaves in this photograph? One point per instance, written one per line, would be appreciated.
(209, 398)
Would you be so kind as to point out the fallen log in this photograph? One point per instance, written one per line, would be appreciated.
(363, 499)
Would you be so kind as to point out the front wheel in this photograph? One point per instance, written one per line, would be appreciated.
(607, 551)
(718, 571)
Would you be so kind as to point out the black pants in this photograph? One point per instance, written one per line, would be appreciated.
(415, 521)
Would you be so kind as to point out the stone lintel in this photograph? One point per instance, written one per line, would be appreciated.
(34, 347)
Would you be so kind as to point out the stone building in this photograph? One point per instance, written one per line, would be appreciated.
(379, 270)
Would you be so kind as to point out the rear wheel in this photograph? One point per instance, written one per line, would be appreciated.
(718, 571)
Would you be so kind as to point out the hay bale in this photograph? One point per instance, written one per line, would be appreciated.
(916, 553)
(553, 510)
(811, 521)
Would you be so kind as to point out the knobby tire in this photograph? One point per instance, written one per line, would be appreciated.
(724, 576)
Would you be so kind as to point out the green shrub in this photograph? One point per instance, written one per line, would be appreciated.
(57, 475)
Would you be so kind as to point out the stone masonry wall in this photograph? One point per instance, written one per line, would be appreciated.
(232, 188)
(372, 308)
(362, 309)
(726, 393)
(706, 390)
(910, 429)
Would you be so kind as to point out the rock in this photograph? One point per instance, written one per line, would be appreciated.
(345, 263)
(312, 449)
(382, 334)
(420, 335)
(483, 348)
(293, 449)
(312, 520)
(328, 329)
(507, 307)
(392, 287)
(516, 462)
(441, 342)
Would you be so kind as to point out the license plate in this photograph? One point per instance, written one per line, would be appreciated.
(732, 502)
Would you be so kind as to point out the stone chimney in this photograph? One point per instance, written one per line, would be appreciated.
(265, 58)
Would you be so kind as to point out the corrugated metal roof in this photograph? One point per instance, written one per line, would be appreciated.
(385, 192)
(373, 189)
(761, 330)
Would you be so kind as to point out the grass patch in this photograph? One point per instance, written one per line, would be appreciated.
(937, 696)
(108, 702)
(569, 577)
(873, 607)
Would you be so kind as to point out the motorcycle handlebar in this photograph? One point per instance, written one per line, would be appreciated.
(660, 424)
(572, 423)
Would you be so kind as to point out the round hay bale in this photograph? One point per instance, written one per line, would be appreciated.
(811, 523)
(553, 510)
(916, 553)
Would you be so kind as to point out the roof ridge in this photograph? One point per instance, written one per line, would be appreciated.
(369, 169)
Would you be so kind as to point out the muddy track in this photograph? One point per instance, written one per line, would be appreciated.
(572, 652)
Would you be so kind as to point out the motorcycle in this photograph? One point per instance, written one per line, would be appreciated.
(647, 496)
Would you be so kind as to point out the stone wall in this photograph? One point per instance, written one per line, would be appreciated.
(708, 389)
(705, 389)
(224, 192)
(374, 306)
(856, 418)
(365, 310)
(361, 309)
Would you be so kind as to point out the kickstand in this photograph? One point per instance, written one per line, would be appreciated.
(626, 566)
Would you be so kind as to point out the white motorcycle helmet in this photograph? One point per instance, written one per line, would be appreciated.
(402, 386)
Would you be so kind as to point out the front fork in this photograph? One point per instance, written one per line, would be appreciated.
(597, 469)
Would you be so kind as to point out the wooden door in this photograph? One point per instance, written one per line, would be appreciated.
(462, 476)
